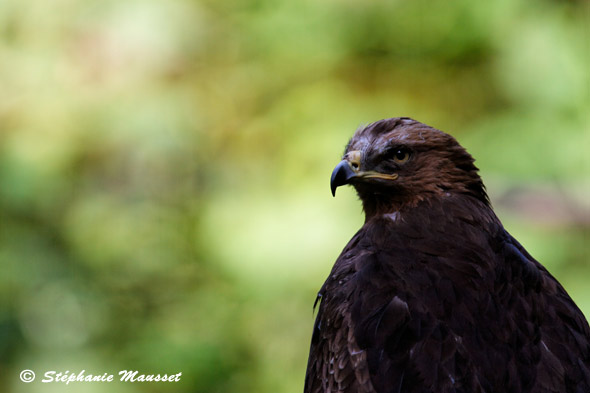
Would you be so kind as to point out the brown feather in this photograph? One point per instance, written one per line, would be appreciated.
(432, 294)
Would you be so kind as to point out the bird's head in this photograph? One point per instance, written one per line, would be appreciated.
(399, 162)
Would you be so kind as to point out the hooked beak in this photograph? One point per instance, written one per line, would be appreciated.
(341, 175)
(349, 169)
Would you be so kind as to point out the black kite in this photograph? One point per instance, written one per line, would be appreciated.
(432, 294)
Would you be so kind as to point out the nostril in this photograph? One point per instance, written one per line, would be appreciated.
(355, 165)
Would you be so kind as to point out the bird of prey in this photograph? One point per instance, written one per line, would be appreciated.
(432, 294)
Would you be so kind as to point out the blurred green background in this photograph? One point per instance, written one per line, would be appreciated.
(164, 167)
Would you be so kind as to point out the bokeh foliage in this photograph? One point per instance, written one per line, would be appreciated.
(164, 166)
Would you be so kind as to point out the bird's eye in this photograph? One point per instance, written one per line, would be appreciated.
(401, 155)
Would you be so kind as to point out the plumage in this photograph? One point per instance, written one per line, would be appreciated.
(432, 294)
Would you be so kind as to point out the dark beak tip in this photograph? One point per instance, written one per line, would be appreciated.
(333, 183)
(341, 176)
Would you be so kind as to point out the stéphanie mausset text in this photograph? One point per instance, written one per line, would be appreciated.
(124, 376)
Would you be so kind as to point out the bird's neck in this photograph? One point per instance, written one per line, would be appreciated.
(375, 204)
